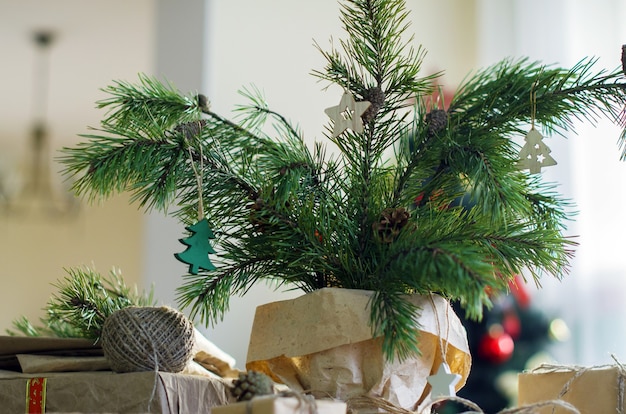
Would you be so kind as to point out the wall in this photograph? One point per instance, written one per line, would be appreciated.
(589, 172)
(96, 42)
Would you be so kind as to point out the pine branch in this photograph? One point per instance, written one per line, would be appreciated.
(149, 106)
(393, 317)
(255, 114)
(491, 100)
(82, 303)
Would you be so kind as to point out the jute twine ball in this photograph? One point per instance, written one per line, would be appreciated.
(147, 339)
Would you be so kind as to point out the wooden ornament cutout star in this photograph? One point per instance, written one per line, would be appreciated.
(347, 114)
(535, 153)
(443, 382)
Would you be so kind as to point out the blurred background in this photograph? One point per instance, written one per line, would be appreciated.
(55, 57)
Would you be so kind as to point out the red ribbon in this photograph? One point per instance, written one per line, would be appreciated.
(36, 395)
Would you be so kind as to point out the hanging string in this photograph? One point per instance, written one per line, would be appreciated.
(442, 349)
(198, 175)
(533, 100)
(533, 106)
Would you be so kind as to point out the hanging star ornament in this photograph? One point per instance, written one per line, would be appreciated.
(347, 114)
(443, 382)
(535, 153)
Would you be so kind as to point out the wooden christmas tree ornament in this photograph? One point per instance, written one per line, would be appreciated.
(198, 247)
(535, 153)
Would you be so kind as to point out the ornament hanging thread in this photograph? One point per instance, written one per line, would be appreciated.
(198, 246)
(443, 382)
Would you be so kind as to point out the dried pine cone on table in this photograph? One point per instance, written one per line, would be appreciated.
(251, 384)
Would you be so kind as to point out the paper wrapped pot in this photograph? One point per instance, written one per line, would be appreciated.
(322, 342)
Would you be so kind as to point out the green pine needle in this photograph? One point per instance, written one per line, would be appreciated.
(83, 301)
(413, 204)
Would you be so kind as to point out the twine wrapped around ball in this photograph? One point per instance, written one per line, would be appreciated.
(147, 339)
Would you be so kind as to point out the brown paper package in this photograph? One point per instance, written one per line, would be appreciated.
(593, 391)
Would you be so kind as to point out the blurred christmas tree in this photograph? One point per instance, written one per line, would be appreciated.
(512, 336)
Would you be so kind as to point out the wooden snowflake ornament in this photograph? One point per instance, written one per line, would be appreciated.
(347, 114)
(443, 382)
(535, 153)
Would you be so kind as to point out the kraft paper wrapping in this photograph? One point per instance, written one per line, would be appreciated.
(10, 346)
(109, 392)
(591, 390)
(211, 357)
(322, 341)
(49, 363)
(281, 405)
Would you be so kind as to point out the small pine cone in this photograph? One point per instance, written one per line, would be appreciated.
(192, 129)
(376, 97)
(392, 220)
(251, 384)
(256, 216)
(437, 121)
(203, 102)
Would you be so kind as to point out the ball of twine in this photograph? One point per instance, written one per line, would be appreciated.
(147, 339)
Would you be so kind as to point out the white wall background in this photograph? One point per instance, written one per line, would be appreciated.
(591, 299)
(95, 42)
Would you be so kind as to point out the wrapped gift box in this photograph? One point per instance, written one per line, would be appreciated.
(109, 392)
(590, 390)
(60, 375)
(13, 346)
(282, 405)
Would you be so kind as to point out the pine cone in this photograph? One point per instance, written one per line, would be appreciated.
(437, 121)
(192, 129)
(391, 222)
(376, 97)
(256, 214)
(251, 384)
(203, 102)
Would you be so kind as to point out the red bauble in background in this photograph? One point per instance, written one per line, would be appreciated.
(496, 346)
(511, 324)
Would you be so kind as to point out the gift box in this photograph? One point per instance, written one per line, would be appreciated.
(62, 375)
(590, 390)
(109, 392)
(283, 405)
(11, 347)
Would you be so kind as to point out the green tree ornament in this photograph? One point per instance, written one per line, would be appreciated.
(198, 247)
